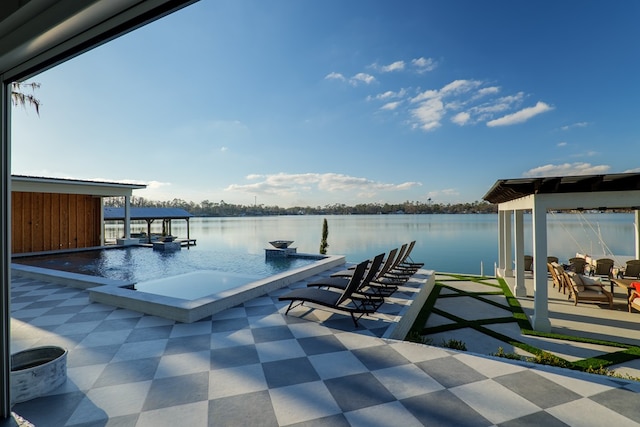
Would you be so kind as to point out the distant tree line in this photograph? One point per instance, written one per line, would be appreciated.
(219, 209)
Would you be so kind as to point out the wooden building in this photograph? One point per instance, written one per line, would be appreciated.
(53, 214)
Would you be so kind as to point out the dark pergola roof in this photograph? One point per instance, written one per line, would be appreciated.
(506, 190)
(146, 213)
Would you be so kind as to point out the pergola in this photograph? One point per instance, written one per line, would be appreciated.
(539, 195)
(36, 35)
(150, 215)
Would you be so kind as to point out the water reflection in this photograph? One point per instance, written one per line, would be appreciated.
(456, 243)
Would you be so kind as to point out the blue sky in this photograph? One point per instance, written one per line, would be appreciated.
(306, 103)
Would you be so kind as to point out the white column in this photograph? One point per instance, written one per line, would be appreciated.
(637, 230)
(540, 321)
(102, 229)
(519, 289)
(508, 249)
(5, 250)
(501, 241)
(127, 217)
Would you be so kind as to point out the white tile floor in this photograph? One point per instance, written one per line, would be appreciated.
(252, 365)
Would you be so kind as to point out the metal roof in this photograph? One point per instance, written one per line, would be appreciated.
(146, 213)
(506, 190)
(72, 186)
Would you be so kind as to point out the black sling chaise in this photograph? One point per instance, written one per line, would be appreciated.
(339, 301)
(365, 289)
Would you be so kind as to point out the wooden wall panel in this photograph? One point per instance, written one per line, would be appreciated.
(48, 221)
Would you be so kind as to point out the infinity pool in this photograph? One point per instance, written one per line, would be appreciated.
(186, 285)
(139, 264)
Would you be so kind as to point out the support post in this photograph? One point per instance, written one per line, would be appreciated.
(127, 217)
(519, 290)
(637, 234)
(508, 250)
(500, 242)
(5, 251)
(540, 321)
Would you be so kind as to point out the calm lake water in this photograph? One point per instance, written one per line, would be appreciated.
(451, 243)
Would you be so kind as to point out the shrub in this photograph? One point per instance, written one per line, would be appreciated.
(415, 336)
(512, 356)
(454, 344)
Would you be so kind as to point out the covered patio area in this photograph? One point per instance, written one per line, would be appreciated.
(539, 196)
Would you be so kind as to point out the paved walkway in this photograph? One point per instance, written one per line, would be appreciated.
(252, 365)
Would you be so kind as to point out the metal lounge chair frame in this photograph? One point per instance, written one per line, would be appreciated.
(336, 301)
(388, 263)
(373, 286)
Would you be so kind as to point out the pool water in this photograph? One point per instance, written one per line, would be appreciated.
(140, 264)
(194, 285)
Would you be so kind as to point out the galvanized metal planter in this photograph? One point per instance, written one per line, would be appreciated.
(37, 371)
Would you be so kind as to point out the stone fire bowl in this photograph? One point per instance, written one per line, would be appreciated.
(281, 244)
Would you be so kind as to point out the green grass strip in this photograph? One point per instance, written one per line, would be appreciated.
(593, 364)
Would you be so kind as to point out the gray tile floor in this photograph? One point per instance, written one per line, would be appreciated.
(252, 365)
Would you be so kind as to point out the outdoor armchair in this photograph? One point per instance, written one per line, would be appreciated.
(583, 288)
(577, 264)
(632, 270)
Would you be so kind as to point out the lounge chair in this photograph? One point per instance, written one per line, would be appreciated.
(373, 286)
(577, 264)
(406, 263)
(344, 301)
(603, 268)
(388, 263)
(341, 282)
(528, 263)
(632, 270)
(556, 271)
(583, 288)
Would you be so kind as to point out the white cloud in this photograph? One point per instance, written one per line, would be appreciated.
(427, 94)
(520, 116)
(223, 149)
(288, 185)
(391, 105)
(422, 65)
(562, 144)
(362, 78)
(447, 192)
(635, 170)
(154, 185)
(460, 86)
(335, 76)
(429, 113)
(388, 95)
(566, 169)
(575, 125)
(395, 66)
(487, 91)
(466, 101)
(461, 118)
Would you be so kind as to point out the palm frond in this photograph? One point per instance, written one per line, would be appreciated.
(18, 97)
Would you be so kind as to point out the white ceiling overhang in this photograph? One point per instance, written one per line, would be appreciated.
(576, 201)
(67, 186)
(42, 33)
